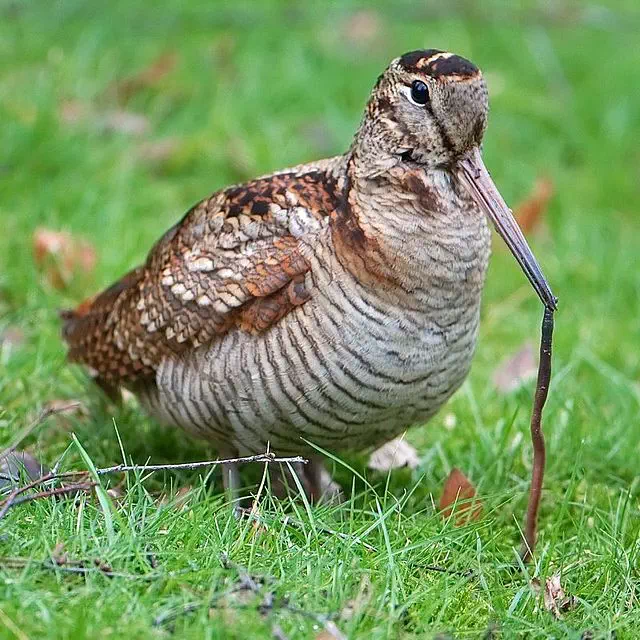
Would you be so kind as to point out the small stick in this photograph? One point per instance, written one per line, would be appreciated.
(261, 457)
(9, 501)
(79, 567)
(248, 513)
(537, 437)
(14, 501)
(467, 573)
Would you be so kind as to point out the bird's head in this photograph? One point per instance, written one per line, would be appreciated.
(430, 106)
(429, 110)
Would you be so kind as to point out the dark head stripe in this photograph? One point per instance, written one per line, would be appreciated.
(437, 63)
(413, 60)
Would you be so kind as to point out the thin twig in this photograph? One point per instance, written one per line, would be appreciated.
(467, 573)
(78, 567)
(13, 499)
(537, 437)
(49, 493)
(256, 585)
(29, 429)
(189, 466)
(248, 513)
(269, 603)
(9, 501)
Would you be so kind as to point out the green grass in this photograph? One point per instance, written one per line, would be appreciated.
(259, 87)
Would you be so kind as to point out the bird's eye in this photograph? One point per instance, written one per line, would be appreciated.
(419, 92)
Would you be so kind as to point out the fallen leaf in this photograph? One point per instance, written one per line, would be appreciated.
(127, 122)
(17, 466)
(115, 493)
(530, 212)
(362, 28)
(66, 412)
(516, 370)
(158, 151)
(331, 632)
(59, 555)
(65, 407)
(458, 492)
(147, 77)
(554, 596)
(180, 500)
(393, 455)
(73, 111)
(60, 256)
(103, 566)
(11, 337)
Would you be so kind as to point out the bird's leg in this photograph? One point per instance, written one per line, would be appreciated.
(283, 482)
(320, 485)
(230, 476)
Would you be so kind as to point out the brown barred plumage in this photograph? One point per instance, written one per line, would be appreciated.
(335, 302)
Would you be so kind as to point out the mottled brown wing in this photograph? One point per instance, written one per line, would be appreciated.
(233, 260)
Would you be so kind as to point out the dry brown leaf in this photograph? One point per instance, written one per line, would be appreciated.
(459, 493)
(363, 28)
(180, 500)
(147, 77)
(12, 337)
(393, 455)
(530, 212)
(103, 566)
(64, 412)
(73, 111)
(516, 370)
(127, 122)
(19, 465)
(331, 632)
(59, 555)
(60, 256)
(158, 151)
(65, 407)
(183, 497)
(554, 596)
(116, 493)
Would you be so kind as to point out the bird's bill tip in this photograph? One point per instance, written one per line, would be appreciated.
(477, 180)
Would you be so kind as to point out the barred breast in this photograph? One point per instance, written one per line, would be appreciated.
(357, 364)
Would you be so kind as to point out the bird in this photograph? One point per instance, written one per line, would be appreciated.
(328, 306)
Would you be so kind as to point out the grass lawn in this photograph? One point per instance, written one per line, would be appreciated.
(244, 89)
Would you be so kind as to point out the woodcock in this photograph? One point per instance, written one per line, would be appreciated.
(335, 302)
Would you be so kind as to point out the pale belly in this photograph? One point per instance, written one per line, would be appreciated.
(346, 371)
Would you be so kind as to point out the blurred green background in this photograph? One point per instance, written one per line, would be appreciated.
(116, 117)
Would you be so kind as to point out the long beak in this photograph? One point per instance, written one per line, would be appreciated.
(477, 180)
